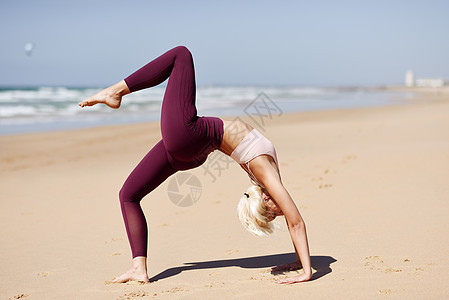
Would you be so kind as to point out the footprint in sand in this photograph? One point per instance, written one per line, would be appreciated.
(418, 270)
(389, 291)
(113, 240)
(175, 290)
(267, 278)
(19, 296)
(325, 186)
(406, 265)
(392, 270)
(138, 294)
(386, 292)
(348, 158)
(215, 284)
(374, 262)
(171, 291)
(319, 178)
(377, 263)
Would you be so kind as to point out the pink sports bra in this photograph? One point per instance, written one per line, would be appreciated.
(253, 145)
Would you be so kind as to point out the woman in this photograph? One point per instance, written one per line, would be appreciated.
(186, 142)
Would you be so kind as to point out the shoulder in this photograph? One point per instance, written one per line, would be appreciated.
(264, 168)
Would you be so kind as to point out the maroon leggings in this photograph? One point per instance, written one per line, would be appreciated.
(186, 141)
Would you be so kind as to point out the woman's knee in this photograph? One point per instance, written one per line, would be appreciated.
(126, 195)
(182, 50)
(183, 53)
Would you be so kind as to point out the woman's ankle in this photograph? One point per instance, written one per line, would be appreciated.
(139, 264)
(120, 89)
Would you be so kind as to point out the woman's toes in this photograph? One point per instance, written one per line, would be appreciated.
(84, 103)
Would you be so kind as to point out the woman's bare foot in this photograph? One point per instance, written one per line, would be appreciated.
(132, 275)
(111, 96)
(138, 272)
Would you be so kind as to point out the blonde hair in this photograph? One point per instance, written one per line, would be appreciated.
(253, 213)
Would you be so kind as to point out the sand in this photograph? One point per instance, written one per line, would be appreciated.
(372, 185)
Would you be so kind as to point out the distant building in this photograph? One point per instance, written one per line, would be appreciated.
(409, 79)
(430, 82)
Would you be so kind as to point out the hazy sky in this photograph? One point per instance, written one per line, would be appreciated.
(305, 43)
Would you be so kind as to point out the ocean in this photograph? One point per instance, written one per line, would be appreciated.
(38, 109)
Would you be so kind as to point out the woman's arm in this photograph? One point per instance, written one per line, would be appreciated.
(296, 227)
(268, 176)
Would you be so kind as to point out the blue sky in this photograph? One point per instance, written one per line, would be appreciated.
(304, 43)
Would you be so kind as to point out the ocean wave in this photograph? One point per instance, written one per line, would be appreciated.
(60, 104)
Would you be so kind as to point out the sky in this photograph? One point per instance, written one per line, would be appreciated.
(299, 43)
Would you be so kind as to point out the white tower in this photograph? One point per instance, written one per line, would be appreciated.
(409, 79)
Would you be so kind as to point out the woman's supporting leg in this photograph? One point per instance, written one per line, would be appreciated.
(148, 174)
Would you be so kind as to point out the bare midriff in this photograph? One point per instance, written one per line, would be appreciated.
(233, 133)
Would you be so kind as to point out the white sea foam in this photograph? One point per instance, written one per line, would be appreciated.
(17, 110)
(58, 105)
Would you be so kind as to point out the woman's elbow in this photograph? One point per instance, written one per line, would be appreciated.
(297, 225)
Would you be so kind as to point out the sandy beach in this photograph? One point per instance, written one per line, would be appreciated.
(371, 184)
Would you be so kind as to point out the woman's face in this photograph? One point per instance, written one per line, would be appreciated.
(273, 210)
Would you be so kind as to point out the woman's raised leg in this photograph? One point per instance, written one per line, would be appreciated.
(152, 74)
(179, 100)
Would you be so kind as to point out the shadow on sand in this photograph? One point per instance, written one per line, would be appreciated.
(320, 263)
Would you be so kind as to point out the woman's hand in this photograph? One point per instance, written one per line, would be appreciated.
(291, 280)
(287, 267)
